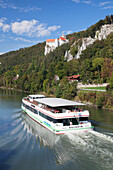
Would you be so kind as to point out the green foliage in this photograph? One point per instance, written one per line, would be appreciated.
(97, 63)
(74, 50)
(99, 100)
(45, 85)
(111, 82)
(65, 89)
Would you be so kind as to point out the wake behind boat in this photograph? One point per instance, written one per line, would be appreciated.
(57, 115)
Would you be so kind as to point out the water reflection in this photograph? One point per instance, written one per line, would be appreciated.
(48, 138)
(101, 119)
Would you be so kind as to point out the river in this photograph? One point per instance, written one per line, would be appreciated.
(25, 145)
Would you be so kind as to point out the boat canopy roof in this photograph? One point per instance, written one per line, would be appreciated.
(57, 102)
(37, 96)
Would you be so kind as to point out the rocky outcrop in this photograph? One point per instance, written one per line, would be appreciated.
(99, 35)
(68, 56)
(104, 32)
(48, 49)
(85, 42)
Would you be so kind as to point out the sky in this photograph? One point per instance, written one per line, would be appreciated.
(24, 23)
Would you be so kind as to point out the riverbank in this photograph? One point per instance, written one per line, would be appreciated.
(97, 99)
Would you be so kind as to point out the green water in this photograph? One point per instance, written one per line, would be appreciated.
(25, 145)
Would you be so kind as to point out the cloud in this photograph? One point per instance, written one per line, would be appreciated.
(77, 1)
(5, 4)
(69, 32)
(66, 32)
(87, 2)
(3, 26)
(83, 1)
(32, 28)
(24, 40)
(28, 9)
(44, 31)
(23, 27)
(108, 7)
(103, 3)
(3, 19)
(6, 28)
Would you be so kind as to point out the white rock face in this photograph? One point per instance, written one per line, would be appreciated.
(104, 32)
(101, 34)
(48, 49)
(85, 42)
(68, 56)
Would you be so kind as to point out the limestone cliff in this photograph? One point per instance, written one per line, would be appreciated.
(85, 42)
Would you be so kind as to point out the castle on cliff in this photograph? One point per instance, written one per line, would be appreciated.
(51, 44)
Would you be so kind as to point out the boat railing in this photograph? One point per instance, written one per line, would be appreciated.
(33, 102)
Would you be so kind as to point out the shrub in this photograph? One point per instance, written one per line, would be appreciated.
(99, 101)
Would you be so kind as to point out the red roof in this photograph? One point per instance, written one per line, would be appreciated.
(73, 77)
(50, 40)
(53, 40)
(62, 38)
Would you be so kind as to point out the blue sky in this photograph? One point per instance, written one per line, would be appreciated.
(24, 23)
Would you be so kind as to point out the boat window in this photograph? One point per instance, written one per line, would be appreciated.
(66, 122)
(45, 116)
(83, 119)
(57, 120)
(30, 108)
(74, 121)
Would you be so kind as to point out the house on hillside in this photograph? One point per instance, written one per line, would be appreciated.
(51, 44)
(17, 76)
(74, 78)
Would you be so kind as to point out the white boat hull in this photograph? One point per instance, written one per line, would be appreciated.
(58, 129)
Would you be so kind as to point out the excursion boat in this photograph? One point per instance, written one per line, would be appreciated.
(57, 115)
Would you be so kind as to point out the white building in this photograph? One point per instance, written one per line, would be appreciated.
(51, 44)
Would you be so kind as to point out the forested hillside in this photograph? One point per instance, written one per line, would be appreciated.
(37, 72)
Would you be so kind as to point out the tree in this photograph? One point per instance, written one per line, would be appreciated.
(99, 100)
(97, 64)
(45, 84)
(65, 89)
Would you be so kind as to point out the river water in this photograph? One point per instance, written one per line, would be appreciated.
(25, 145)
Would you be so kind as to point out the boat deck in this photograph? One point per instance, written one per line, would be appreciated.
(53, 110)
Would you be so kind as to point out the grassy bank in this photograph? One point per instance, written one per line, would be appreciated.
(94, 88)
